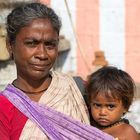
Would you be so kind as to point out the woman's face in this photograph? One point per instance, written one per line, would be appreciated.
(106, 110)
(35, 49)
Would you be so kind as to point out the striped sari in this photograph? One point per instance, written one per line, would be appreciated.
(62, 96)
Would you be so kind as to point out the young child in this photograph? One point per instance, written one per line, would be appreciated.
(110, 94)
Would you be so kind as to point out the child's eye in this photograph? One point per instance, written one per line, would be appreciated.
(111, 106)
(96, 105)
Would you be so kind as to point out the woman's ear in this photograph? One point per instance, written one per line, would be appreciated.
(9, 48)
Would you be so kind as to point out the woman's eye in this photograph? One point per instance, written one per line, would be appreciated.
(30, 43)
(51, 44)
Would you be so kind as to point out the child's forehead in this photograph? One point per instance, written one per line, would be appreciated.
(105, 96)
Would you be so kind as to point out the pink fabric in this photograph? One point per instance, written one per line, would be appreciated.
(12, 120)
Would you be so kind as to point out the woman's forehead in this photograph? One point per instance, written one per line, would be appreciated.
(38, 29)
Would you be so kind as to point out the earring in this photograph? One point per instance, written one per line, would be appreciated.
(124, 113)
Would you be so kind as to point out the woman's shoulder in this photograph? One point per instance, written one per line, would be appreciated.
(60, 74)
(12, 120)
(63, 77)
(7, 109)
(6, 106)
(4, 100)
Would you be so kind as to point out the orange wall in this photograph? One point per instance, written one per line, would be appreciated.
(45, 1)
(133, 38)
(87, 27)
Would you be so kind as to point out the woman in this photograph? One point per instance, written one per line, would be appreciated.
(30, 106)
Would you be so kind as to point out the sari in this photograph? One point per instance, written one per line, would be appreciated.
(52, 124)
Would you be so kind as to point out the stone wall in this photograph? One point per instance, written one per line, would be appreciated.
(7, 73)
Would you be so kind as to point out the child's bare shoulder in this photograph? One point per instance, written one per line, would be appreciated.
(130, 132)
(123, 131)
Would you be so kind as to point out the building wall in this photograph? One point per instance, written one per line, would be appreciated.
(132, 30)
(112, 31)
(68, 30)
(87, 27)
(111, 26)
(45, 1)
(116, 32)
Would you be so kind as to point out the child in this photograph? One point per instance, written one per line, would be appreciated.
(110, 94)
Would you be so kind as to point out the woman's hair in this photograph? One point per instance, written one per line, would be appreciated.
(23, 15)
(112, 82)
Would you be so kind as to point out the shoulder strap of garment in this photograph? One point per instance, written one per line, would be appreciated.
(81, 85)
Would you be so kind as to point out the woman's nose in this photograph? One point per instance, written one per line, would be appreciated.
(41, 51)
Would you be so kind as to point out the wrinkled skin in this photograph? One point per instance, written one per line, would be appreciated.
(35, 51)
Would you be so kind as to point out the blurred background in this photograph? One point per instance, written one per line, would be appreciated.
(94, 33)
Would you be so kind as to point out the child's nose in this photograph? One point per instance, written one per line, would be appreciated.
(103, 111)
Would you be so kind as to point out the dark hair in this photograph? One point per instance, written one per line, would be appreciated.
(23, 15)
(112, 82)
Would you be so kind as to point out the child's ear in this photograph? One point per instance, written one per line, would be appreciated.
(125, 111)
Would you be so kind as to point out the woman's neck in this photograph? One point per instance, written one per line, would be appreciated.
(35, 87)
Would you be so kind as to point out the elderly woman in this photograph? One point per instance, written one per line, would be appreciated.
(40, 103)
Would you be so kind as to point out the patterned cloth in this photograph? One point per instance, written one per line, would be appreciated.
(55, 125)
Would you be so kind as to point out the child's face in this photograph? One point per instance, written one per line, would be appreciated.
(106, 110)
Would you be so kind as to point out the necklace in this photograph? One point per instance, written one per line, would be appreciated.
(111, 125)
(31, 92)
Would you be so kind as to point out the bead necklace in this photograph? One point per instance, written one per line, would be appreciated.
(111, 125)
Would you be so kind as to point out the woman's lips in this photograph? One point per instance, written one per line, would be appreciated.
(39, 67)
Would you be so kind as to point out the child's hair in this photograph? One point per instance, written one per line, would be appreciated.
(112, 82)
